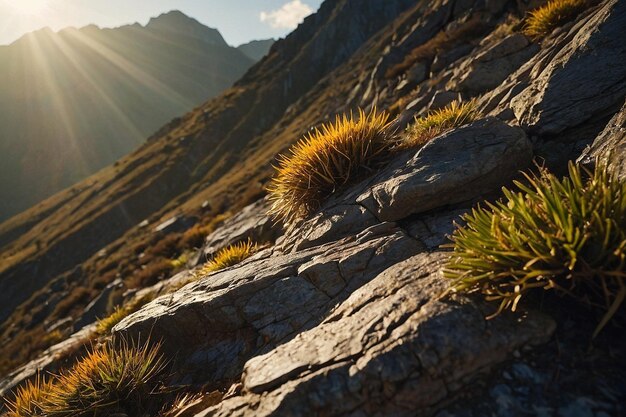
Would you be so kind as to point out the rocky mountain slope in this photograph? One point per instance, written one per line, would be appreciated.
(73, 102)
(256, 49)
(341, 313)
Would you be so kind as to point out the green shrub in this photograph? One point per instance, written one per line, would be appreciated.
(565, 235)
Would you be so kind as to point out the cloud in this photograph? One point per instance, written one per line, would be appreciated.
(287, 16)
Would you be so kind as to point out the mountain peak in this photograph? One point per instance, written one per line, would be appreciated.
(178, 22)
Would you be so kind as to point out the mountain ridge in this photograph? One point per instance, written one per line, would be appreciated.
(97, 94)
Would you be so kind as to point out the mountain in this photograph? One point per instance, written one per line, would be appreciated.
(73, 102)
(349, 310)
(256, 50)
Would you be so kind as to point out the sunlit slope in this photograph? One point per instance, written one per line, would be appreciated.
(75, 101)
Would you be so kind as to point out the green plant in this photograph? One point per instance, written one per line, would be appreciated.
(116, 377)
(543, 20)
(229, 256)
(565, 235)
(437, 122)
(325, 160)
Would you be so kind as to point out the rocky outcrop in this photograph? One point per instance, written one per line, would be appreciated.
(487, 69)
(562, 86)
(393, 348)
(455, 167)
(610, 145)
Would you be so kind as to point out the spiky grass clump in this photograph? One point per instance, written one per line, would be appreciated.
(568, 235)
(105, 325)
(325, 160)
(437, 122)
(229, 256)
(542, 21)
(29, 398)
(112, 378)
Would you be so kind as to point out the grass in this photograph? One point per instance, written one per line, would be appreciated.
(29, 397)
(112, 378)
(229, 256)
(437, 122)
(105, 325)
(328, 158)
(567, 235)
(543, 20)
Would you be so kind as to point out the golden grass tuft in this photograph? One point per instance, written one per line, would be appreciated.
(29, 397)
(437, 122)
(105, 325)
(328, 158)
(543, 20)
(229, 256)
(567, 235)
(112, 378)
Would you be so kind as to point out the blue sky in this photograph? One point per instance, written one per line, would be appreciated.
(238, 20)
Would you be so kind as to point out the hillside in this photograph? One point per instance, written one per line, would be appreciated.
(257, 49)
(75, 101)
(348, 310)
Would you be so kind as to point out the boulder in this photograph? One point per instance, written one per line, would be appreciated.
(458, 166)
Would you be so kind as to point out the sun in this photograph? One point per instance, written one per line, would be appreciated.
(27, 7)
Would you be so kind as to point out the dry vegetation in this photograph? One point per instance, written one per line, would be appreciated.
(438, 122)
(542, 21)
(567, 235)
(114, 378)
(229, 256)
(327, 159)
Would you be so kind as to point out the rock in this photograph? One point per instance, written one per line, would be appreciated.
(455, 167)
(442, 60)
(175, 224)
(229, 316)
(394, 347)
(610, 145)
(442, 99)
(576, 79)
(98, 307)
(251, 222)
(490, 67)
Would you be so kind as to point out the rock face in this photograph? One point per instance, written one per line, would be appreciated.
(563, 86)
(610, 145)
(392, 348)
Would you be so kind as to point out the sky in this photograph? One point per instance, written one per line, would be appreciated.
(239, 21)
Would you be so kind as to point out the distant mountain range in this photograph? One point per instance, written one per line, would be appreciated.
(75, 101)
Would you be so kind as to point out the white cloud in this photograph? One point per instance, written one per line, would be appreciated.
(287, 16)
